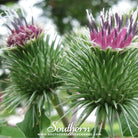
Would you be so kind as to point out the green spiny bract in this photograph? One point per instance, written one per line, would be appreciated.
(105, 79)
(33, 72)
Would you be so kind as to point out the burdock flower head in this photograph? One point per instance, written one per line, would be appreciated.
(21, 32)
(115, 31)
(32, 65)
(106, 78)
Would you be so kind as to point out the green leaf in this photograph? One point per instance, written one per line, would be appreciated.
(34, 123)
(133, 126)
(27, 125)
(11, 132)
(44, 121)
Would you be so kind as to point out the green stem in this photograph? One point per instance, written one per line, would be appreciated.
(56, 102)
(102, 122)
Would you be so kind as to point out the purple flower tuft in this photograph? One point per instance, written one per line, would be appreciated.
(21, 33)
(115, 31)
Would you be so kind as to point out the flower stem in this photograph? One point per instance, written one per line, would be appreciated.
(56, 102)
(102, 122)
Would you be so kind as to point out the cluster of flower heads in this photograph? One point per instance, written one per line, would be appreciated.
(21, 32)
(115, 31)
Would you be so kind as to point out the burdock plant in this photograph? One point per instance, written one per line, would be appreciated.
(32, 57)
(103, 72)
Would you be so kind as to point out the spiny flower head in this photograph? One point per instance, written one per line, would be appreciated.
(21, 32)
(106, 81)
(115, 31)
(33, 69)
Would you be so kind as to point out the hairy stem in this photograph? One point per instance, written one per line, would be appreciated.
(56, 102)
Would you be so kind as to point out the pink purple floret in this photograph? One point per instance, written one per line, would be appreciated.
(114, 31)
(21, 33)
